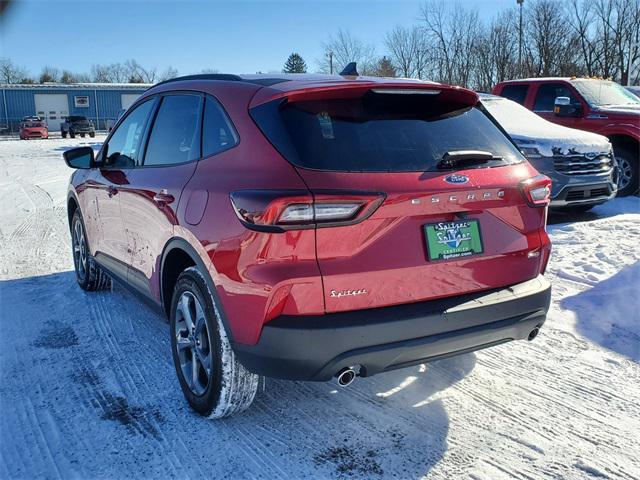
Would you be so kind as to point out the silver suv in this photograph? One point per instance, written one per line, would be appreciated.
(580, 164)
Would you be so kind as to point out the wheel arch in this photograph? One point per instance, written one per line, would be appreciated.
(72, 206)
(624, 141)
(179, 254)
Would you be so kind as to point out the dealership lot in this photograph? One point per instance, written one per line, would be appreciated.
(88, 387)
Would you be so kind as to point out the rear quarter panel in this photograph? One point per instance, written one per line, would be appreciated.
(257, 275)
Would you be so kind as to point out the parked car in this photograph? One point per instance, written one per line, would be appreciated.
(598, 106)
(580, 164)
(312, 227)
(77, 125)
(33, 127)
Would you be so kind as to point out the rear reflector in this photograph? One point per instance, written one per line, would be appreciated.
(277, 210)
(537, 190)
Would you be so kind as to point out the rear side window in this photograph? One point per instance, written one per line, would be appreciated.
(361, 135)
(123, 149)
(547, 93)
(217, 134)
(517, 93)
(175, 135)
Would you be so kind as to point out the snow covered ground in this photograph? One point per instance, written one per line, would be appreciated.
(87, 387)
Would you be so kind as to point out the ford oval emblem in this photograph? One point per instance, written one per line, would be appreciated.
(456, 179)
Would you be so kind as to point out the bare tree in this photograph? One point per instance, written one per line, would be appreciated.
(113, 73)
(49, 74)
(496, 52)
(139, 74)
(581, 19)
(167, 74)
(550, 47)
(453, 33)
(11, 73)
(345, 48)
(408, 51)
(624, 26)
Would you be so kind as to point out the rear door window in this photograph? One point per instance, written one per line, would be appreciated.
(517, 93)
(547, 93)
(175, 135)
(373, 135)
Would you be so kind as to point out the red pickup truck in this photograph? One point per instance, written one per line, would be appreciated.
(599, 106)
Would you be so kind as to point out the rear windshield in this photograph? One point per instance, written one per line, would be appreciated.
(378, 135)
(77, 119)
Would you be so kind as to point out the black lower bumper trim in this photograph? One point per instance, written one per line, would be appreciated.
(381, 339)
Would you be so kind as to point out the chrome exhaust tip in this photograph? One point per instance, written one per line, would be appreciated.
(533, 333)
(346, 376)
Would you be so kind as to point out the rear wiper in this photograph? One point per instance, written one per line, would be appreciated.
(458, 158)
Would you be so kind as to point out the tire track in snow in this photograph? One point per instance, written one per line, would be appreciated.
(102, 321)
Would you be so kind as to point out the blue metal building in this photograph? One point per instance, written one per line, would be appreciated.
(99, 102)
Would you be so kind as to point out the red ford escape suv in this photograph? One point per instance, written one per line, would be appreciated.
(310, 227)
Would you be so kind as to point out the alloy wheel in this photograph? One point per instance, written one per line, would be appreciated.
(625, 173)
(79, 250)
(193, 343)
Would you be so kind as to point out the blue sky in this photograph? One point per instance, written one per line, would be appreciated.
(237, 37)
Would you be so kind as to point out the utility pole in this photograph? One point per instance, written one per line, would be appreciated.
(330, 55)
(520, 2)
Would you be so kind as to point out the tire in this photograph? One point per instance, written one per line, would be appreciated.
(92, 134)
(89, 275)
(82, 135)
(628, 174)
(64, 134)
(197, 332)
(72, 134)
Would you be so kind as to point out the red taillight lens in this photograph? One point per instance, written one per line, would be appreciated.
(537, 190)
(277, 210)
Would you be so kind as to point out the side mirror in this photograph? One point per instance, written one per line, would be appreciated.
(81, 157)
(563, 107)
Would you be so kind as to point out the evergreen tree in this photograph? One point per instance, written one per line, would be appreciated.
(384, 68)
(295, 64)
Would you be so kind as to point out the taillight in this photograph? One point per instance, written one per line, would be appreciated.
(280, 210)
(537, 190)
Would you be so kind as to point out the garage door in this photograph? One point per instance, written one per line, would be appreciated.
(52, 108)
(128, 99)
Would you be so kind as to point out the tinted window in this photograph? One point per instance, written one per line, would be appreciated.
(123, 150)
(517, 93)
(218, 133)
(175, 136)
(389, 136)
(547, 93)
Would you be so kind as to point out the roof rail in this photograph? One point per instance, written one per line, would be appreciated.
(226, 77)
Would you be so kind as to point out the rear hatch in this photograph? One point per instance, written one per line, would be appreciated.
(442, 210)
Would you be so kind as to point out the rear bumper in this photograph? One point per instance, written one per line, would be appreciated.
(317, 347)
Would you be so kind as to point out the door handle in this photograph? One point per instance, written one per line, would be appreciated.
(163, 198)
(111, 191)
